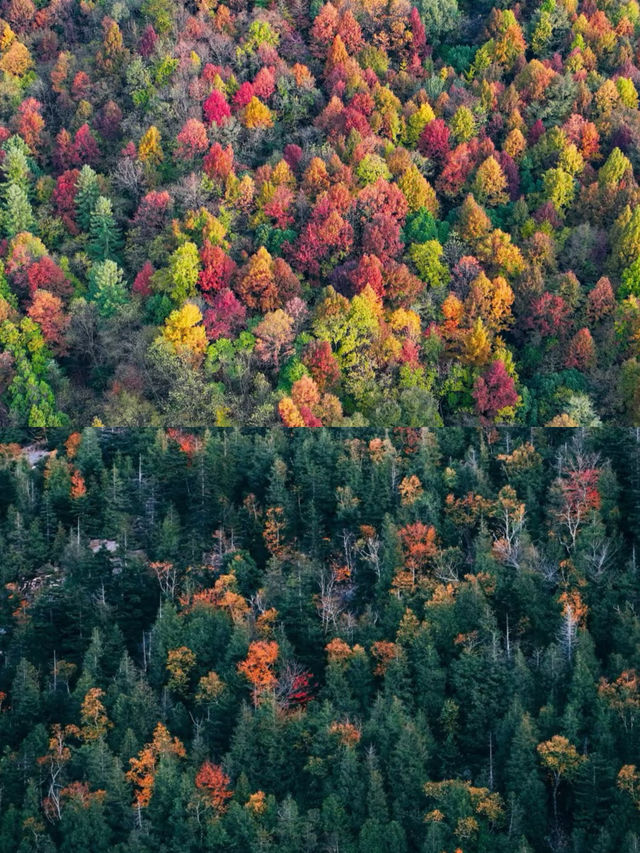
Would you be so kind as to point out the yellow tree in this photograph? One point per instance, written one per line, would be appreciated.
(257, 114)
(478, 344)
(629, 782)
(149, 147)
(180, 662)
(184, 330)
(418, 191)
(93, 715)
(490, 183)
(561, 760)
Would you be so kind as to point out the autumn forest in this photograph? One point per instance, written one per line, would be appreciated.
(320, 640)
(352, 213)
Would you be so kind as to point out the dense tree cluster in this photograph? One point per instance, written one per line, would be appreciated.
(346, 213)
(320, 640)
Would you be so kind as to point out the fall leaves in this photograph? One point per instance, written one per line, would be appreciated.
(258, 667)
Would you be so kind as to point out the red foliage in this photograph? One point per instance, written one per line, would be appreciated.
(192, 139)
(217, 272)
(46, 310)
(147, 41)
(85, 147)
(225, 317)
(328, 237)
(580, 490)
(141, 282)
(418, 545)
(368, 272)
(80, 85)
(63, 197)
(381, 237)
(548, 315)
(300, 689)
(384, 198)
(350, 32)
(243, 95)
(216, 109)
(321, 364)
(64, 155)
(582, 351)
(493, 391)
(292, 155)
(188, 443)
(45, 274)
(310, 420)
(419, 38)
(279, 205)
(20, 13)
(109, 119)
(324, 29)
(212, 779)
(30, 123)
(457, 168)
(410, 353)
(152, 215)
(218, 163)
(434, 140)
(601, 300)
(264, 83)
(401, 285)
(536, 131)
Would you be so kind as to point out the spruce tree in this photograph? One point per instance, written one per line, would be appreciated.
(104, 235)
(87, 194)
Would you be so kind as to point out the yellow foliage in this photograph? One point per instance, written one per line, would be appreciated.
(17, 60)
(7, 35)
(149, 148)
(257, 114)
(184, 329)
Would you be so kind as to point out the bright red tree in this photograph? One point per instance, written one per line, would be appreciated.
(493, 391)
(215, 108)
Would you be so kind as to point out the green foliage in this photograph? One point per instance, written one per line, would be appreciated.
(87, 194)
(30, 397)
(17, 215)
(107, 288)
(427, 259)
(440, 18)
(104, 236)
(184, 265)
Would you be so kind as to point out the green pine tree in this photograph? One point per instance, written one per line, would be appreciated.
(104, 235)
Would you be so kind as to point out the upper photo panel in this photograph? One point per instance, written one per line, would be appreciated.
(319, 214)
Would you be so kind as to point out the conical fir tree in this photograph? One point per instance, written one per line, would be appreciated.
(18, 215)
(87, 195)
(104, 235)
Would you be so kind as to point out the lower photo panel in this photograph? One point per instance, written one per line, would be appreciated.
(332, 640)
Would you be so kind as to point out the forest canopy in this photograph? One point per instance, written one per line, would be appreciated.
(320, 640)
(351, 213)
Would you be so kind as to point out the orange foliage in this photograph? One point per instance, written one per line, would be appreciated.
(78, 487)
(384, 652)
(347, 732)
(258, 667)
(212, 779)
(142, 772)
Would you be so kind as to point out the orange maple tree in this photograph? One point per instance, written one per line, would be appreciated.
(143, 767)
(258, 667)
(212, 780)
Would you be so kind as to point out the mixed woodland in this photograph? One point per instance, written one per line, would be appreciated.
(320, 640)
(352, 213)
